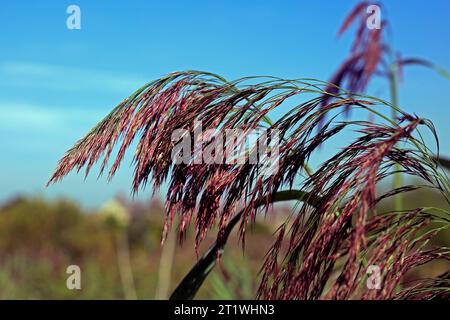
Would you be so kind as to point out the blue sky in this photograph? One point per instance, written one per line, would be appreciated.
(55, 83)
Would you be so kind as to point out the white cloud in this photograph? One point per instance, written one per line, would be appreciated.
(19, 116)
(46, 76)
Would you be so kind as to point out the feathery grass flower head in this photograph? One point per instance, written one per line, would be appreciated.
(115, 214)
(336, 226)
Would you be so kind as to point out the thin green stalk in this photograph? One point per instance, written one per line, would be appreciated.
(124, 264)
(165, 266)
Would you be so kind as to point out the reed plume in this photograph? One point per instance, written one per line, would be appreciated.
(336, 230)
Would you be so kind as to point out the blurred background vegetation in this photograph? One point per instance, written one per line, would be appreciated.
(39, 239)
(118, 250)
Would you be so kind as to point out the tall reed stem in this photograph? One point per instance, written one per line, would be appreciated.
(398, 181)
